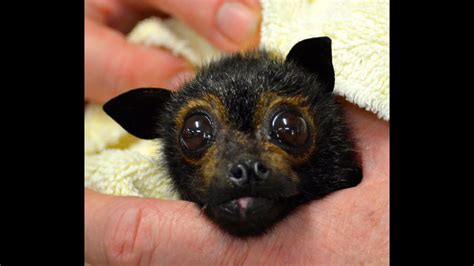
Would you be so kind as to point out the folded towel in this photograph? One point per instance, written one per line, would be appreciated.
(120, 164)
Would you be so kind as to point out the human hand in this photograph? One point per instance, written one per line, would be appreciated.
(113, 65)
(349, 226)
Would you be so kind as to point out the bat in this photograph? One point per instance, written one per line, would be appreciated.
(252, 137)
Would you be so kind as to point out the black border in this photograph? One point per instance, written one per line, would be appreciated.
(43, 100)
(427, 105)
(43, 124)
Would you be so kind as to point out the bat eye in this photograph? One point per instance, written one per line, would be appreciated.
(290, 129)
(197, 132)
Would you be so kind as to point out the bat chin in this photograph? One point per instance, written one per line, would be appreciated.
(247, 216)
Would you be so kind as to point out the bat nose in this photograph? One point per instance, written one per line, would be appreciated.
(241, 173)
(260, 170)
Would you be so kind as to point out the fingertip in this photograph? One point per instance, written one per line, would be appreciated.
(239, 23)
(230, 25)
(113, 65)
(146, 66)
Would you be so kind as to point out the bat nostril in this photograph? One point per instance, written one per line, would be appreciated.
(238, 174)
(261, 170)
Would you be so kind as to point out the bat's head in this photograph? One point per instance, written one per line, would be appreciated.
(251, 137)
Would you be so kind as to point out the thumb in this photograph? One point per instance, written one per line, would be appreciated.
(231, 25)
(136, 231)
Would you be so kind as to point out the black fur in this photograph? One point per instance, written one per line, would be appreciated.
(239, 81)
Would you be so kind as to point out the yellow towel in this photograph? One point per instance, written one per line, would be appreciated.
(120, 164)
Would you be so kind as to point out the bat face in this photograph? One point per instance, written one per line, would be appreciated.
(251, 137)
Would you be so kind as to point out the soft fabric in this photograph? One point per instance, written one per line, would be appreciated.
(120, 164)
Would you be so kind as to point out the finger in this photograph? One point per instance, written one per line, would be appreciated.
(136, 231)
(231, 25)
(113, 65)
(117, 14)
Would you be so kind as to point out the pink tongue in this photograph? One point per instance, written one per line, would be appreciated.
(244, 202)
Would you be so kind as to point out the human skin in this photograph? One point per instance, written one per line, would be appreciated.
(348, 227)
(113, 65)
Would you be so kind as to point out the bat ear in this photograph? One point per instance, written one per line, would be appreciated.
(138, 111)
(315, 56)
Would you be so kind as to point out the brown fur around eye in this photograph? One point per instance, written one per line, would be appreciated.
(269, 101)
(207, 164)
(212, 104)
(209, 102)
(279, 160)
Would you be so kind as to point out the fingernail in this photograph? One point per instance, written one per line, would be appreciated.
(237, 22)
(179, 79)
